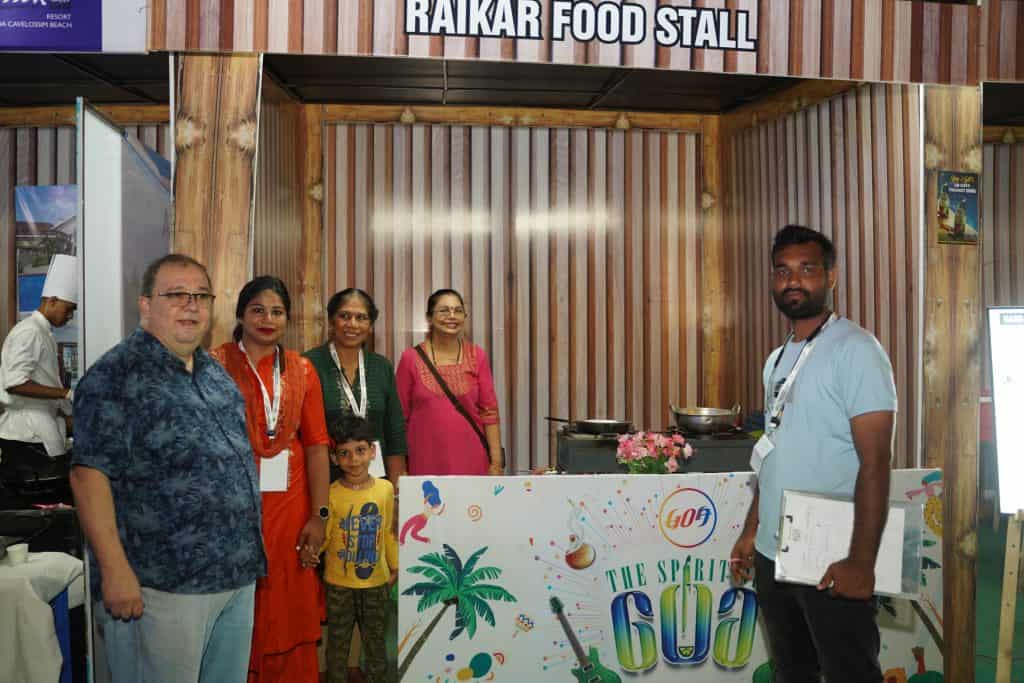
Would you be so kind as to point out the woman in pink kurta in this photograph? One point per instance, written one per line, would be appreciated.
(441, 440)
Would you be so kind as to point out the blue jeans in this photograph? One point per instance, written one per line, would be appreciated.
(181, 638)
(812, 634)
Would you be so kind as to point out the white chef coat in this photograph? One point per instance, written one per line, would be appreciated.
(30, 353)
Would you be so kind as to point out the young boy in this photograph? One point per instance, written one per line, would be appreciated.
(361, 560)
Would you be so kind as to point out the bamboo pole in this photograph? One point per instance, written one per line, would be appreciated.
(718, 326)
(215, 146)
(951, 365)
(311, 288)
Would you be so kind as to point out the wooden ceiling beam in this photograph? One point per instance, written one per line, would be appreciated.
(794, 98)
(1003, 135)
(64, 115)
(511, 116)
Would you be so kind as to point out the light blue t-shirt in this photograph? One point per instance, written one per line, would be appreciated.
(846, 374)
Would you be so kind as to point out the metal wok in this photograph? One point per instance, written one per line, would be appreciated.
(706, 420)
(596, 426)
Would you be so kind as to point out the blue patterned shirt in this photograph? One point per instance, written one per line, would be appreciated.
(182, 472)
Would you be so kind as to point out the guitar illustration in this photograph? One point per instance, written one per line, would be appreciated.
(590, 669)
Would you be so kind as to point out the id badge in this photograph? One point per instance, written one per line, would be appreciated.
(377, 464)
(274, 472)
(762, 449)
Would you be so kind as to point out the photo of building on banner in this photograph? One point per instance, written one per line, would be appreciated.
(46, 224)
(599, 578)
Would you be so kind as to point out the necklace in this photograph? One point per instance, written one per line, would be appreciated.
(458, 357)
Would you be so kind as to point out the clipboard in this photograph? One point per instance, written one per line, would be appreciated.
(815, 531)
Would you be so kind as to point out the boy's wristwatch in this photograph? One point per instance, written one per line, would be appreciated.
(323, 513)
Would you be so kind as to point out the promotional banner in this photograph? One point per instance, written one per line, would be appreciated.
(73, 25)
(46, 223)
(65, 25)
(606, 577)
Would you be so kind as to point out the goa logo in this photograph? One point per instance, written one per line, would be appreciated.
(687, 518)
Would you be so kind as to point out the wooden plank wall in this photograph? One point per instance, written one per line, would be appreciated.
(577, 250)
(43, 156)
(1002, 54)
(877, 40)
(848, 167)
(277, 220)
(1002, 236)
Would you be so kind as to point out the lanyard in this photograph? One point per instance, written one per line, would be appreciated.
(776, 404)
(358, 409)
(271, 409)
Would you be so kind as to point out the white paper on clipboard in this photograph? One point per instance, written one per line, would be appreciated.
(815, 531)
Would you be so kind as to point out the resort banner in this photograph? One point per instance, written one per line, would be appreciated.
(73, 25)
(606, 577)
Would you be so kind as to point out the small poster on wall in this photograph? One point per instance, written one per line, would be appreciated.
(46, 219)
(957, 213)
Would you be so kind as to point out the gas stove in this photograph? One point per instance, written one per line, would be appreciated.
(734, 434)
(595, 454)
(579, 453)
(727, 451)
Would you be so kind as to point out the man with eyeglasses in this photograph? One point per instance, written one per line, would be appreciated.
(167, 492)
(830, 404)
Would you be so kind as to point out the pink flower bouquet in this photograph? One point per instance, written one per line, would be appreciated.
(653, 452)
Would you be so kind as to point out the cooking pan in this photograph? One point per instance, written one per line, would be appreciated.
(596, 426)
(706, 420)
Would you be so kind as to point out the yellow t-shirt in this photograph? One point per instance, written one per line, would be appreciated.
(361, 548)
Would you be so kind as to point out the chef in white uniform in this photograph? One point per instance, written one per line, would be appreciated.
(32, 423)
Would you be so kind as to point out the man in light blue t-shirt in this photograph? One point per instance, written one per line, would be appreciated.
(830, 405)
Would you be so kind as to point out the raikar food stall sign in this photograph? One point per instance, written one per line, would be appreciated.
(584, 21)
(540, 578)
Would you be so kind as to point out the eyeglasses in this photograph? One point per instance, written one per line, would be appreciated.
(444, 312)
(348, 317)
(783, 273)
(182, 299)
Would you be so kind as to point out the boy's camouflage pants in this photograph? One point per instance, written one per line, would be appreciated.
(369, 608)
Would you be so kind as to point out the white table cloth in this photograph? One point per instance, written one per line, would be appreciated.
(26, 620)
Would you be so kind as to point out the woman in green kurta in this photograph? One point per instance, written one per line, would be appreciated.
(360, 382)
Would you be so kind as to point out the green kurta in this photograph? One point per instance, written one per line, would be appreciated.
(384, 412)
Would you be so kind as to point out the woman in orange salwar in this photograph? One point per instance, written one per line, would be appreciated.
(285, 417)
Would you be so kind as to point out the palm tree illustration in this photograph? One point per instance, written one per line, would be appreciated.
(452, 583)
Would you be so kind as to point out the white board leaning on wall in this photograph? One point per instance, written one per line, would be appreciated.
(1006, 341)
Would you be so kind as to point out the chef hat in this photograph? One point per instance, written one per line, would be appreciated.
(62, 278)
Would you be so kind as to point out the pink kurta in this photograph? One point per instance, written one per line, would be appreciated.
(441, 441)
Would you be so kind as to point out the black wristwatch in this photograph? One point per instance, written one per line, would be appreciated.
(323, 513)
